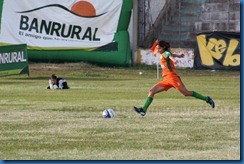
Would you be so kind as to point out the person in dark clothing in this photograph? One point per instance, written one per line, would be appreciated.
(57, 83)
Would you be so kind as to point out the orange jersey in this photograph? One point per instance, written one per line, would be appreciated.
(168, 67)
(170, 77)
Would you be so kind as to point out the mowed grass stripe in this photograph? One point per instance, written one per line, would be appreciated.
(37, 123)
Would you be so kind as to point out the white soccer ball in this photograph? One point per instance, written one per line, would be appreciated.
(108, 113)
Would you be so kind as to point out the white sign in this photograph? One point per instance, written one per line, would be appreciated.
(56, 24)
(146, 57)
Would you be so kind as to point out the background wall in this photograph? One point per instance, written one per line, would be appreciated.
(179, 21)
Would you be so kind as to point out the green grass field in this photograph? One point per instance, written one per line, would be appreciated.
(41, 124)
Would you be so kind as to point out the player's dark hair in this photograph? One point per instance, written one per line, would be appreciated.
(164, 45)
(53, 76)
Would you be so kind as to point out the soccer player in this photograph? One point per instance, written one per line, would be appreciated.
(57, 83)
(170, 78)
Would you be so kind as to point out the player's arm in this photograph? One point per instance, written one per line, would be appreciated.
(172, 58)
(154, 48)
(178, 56)
(51, 86)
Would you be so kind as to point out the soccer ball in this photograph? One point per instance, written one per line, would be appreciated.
(108, 113)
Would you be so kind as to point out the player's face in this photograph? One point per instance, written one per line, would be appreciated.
(160, 49)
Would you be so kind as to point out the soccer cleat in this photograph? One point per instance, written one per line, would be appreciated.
(140, 111)
(211, 102)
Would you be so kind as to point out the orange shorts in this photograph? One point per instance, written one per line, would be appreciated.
(171, 81)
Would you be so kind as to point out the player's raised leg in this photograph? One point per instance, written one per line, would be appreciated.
(197, 95)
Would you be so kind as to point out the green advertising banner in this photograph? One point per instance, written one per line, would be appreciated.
(69, 31)
(13, 60)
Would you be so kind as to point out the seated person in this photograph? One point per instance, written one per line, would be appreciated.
(57, 83)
